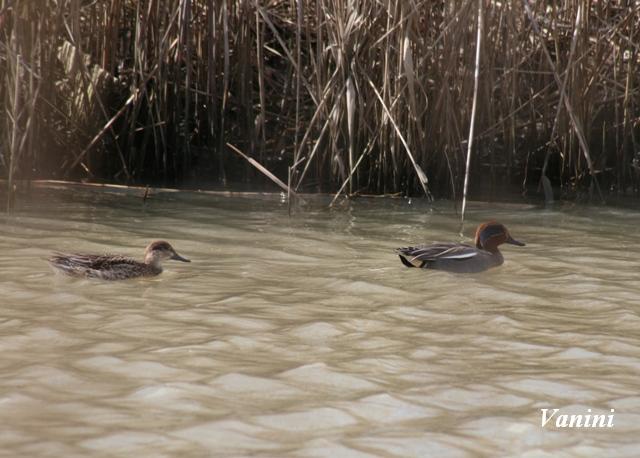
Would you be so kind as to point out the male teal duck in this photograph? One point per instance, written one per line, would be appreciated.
(460, 257)
(113, 267)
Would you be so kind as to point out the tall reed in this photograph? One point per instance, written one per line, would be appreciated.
(348, 96)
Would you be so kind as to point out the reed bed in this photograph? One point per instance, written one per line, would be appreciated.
(345, 96)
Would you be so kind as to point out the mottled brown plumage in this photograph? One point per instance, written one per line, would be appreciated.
(114, 267)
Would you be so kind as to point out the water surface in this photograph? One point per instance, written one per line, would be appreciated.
(305, 336)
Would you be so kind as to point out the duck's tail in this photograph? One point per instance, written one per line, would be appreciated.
(405, 261)
(408, 258)
(65, 264)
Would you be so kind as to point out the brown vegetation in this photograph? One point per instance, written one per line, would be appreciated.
(327, 95)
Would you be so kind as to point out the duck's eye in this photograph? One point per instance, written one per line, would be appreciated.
(490, 232)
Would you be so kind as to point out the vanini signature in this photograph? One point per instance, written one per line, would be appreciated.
(578, 420)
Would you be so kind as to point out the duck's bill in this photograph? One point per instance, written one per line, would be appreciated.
(177, 257)
(513, 241)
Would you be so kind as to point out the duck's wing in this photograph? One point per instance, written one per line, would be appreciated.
(418, 256)
(88, 265)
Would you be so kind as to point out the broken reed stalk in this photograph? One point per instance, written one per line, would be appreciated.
(263, 170)
(544, 182)
(99, 135)
(575, 121)
(421, 175)
(476, 79)
(364, 154)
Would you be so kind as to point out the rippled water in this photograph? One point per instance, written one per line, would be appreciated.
(305, 336)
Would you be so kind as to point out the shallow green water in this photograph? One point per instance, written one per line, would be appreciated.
(305, 336)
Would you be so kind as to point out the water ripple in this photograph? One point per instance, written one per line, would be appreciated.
(305, 336)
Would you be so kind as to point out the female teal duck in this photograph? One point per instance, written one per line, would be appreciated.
(113, 267)
(460, 257)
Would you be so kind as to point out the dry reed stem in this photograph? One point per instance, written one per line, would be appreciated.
(262, 169)
(472, 124)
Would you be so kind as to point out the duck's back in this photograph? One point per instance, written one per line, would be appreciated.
(450, 257)
(105, 267)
